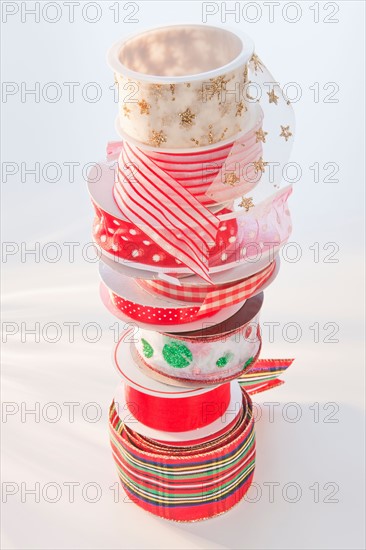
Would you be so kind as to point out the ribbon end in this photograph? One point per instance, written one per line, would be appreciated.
(263, 375)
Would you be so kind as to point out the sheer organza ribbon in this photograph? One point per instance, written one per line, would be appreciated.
(156, 201)
(220, 376)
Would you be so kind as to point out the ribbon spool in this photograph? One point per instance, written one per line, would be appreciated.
(224, 278)
(187, 101)
(146, 302)
(175, 414)
(137, 305)
(165, 112)
(186, 483)
(211, 355)
(251, 239)
(169, 413)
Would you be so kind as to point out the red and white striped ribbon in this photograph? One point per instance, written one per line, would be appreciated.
(211, 298)
(151, 199)
(168, 194)
(203, 173)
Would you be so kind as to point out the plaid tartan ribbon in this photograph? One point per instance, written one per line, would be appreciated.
(212, 300)
(263, 375)
(194, 480)
(188, 483)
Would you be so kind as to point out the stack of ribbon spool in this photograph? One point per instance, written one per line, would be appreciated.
(190, 218)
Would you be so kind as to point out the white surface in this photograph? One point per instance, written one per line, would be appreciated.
(305, 452)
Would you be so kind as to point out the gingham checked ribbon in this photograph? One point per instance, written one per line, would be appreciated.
(212, 300)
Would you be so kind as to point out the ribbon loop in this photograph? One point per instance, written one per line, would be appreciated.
(152, 200)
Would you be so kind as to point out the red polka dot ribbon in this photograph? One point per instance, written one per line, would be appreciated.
(215, 300)
(238, 240)
(157, 315)
(128, 242)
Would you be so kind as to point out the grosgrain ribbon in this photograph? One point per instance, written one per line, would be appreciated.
(186, 484)
(214, 298)
(178, 414)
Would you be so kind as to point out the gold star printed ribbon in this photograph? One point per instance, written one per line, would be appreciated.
(204, 97)
(228, 99)
(194, 100)
(264, 97)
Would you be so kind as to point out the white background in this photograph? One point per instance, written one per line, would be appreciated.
(306, 452)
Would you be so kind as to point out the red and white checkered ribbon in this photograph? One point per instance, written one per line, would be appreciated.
(211, 298)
